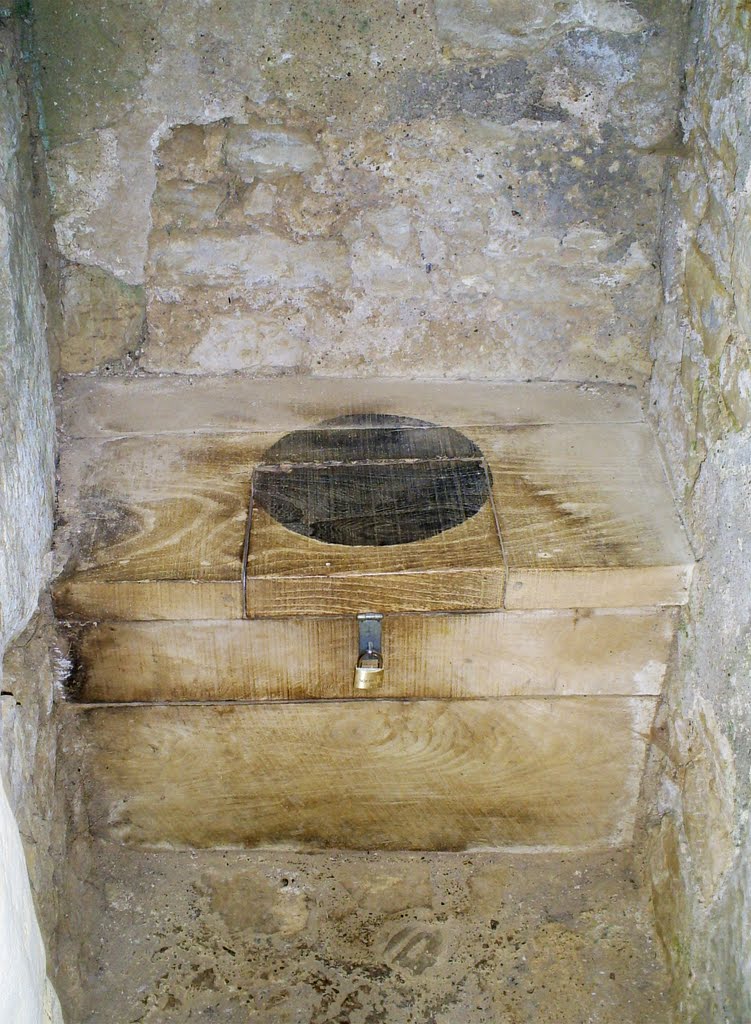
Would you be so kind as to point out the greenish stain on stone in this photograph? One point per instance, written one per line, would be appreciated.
(20, 9)
(92, 58)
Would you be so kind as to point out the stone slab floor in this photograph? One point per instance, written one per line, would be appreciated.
(275, 938)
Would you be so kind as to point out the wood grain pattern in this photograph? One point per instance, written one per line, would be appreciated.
(373, 504)
(586, 516)
(524, 772)
(371, 438)
(155, 528)
(86, 598)
(107, 407)
(499, 654)
(292, 575)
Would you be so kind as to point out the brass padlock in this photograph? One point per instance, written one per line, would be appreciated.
(369, 670)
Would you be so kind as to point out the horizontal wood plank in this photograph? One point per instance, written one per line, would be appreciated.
(586, 516)
(86, 598)
(524, 772)
(288, 574)
(416, 591)
(146, 525)
(493, 655)
(97, 408)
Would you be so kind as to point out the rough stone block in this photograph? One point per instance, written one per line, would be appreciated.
(709, 304)
(252, 152)
(102, 321)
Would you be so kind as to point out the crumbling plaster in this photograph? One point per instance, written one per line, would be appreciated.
(458, 187)
(700, 395)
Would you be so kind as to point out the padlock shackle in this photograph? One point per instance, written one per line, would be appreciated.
(375, 656)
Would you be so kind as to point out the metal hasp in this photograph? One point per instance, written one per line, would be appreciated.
(369, 668)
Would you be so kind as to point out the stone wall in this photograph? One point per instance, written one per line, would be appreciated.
(700, 837)
(466, 188)
(26, 502)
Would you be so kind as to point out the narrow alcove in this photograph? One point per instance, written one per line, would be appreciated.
(438, 312)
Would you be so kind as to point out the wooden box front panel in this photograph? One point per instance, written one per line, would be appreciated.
(497, 654)
(433, 775)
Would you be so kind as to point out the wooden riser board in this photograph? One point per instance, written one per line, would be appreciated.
(499, 654)
(433, 775)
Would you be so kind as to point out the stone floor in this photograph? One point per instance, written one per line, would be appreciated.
(276, 938)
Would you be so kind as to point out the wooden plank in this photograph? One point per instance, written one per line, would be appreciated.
(156, 530)
(146, 525)
(85, 597)
(523, 772)
(586, 516)
(506, 654)
(115, 406)
(371, 438)
(446, 590)
(499, 654)
(288, 574)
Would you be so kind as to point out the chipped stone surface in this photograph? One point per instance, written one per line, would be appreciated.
(26, 415)
(102, 319)
(445, 188)
(28, 759)
(701, 398)
(26, 498)
(277, 937)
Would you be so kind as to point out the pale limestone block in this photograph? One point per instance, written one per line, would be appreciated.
(489, 24)
(670, 891)
(192, 152)
(709, 304)
(742, 268)
(253, 152)
(187, 205)
(392, 225)
(735, 380)
(496, 25)
(102, 318)
(381, 274)
(246, 339)
(708, 792)
(102, 187)
(259, 202)
(207, 330)
(222, 258)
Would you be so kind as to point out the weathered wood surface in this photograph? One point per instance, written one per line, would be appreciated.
(453, 571)
(498, 654)
(586, 516)
(373, 504)
(372, 437)
(108, 407)
(523, 772)
(154, 527)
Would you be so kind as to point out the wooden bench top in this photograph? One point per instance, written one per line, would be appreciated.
(226, 498)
